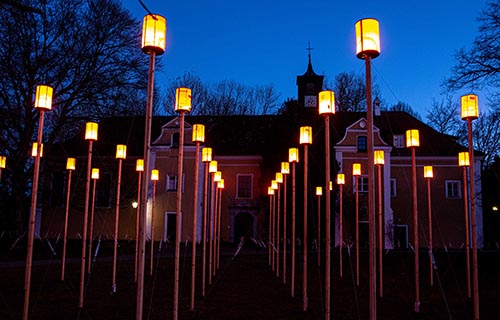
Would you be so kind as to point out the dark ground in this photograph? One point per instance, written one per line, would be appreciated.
(244, 288)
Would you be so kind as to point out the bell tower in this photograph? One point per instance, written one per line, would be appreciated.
(309, 85)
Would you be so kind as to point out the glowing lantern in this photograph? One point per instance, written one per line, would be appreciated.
(206, 155)
(285, 167)
(43, 97)
(154, 34)
(428, 173)
(305, 135)
(182, 100)
(217, 176)
(34, 150)
(326, 102)
(293, 155)
(412, 139)
(270, 191)
(378, 157)
(367, 38)
(121, 151)
(3, 160)
(212, 168)
(274, 185)
(319, 191)
(356, 169)
(198, 133)
(340, 178)
(139, 165)
(279, 177)
(330, 185)
(220, 184)
(95, 173)
(469, 107)
(463, 159)
(91, 131)
(155, 175)
(71, 164)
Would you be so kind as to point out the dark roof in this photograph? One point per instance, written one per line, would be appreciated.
(310, 72)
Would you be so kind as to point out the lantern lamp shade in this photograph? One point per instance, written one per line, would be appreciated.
(43, 97)
(135, 204)
(274, 184)
(71, 164)
(270, 191)
(367, 38)
(412, 138)
(326, 102)
(428, 172)
(305, 135)
(212, 168)
(463, 159)
(198, 133)
(155, 175)
(154, 34)
(279, 177)
(217, 176)
(378, 157)
(340, 178)
(139, 165)
(121, 151)
(220, 184)
(206, 155)
(319, 191)
(3, 161)
(330, 185)
(469, 106)
(95, 173)
(34, 150)
(356, 169)
(91, 131)
(182, 99)
(293, 155)
(285, 167)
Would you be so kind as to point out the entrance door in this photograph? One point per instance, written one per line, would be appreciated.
(243, 226)
(170, 223)
(401, 236)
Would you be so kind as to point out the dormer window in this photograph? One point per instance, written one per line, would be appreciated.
(362, 144)
(175, 140)
(398, 141)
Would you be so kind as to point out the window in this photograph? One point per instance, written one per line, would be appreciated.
(398, 141)
(244, 185)
(172, 183)
(453, 189)
(362, 144)
(103, 190)
(175, 140)
(393, 188)
(363, 184)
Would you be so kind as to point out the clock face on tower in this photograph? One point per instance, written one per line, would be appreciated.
(310, 101)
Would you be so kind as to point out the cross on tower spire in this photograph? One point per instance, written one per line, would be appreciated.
(309, 49)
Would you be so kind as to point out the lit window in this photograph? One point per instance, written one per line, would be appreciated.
(362, 144)
(453, 189)
(244, 184)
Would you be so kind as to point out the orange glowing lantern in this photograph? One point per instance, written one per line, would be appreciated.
(463, 159)
(469, 107)
(43, 98)
(428, 172)
(212, 168)
(34, 150)
(139, 165)
(367, 38)
(412, 138)
(121, 151)
(71, 164)
(340, 178)
(154, 34)
(91, 131)
(305, 135)
(285, 167)
(95, 173)
(198, 133)
(319, 191)
(356, 169)
(326, 102)
(293, 155)
(183, 100)
(206, 155)
(378, 157)
(155, 175)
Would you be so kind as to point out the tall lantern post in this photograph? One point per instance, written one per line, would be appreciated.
(378, 158)
(43, 102)
(154, 38)
(305, 140)
(319, 193)
(285, 170)
(70, 166)
(340, 183)
(326, 108)
(470, 111)
(428, 175)
(220, 187)
(293, 158)
(182, 105)
(211, 169)
(356, 172)
(155, 176)
(413, 141)
(279, 180)
(217, 179)
(367, 48)
(94, 176)
(270, 193)
(274, 186)
(463, 161)
(139, 168)
(121, 154)
(198, 137)
(206, 158)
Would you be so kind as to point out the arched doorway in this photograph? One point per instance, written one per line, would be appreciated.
(243, 226)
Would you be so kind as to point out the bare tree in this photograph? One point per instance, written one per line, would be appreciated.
(88, 51)
(444, 117)
(403, 106)
(350, 91)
